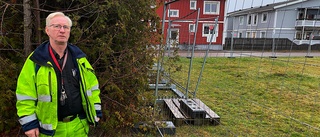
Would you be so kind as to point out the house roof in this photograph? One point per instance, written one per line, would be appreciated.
(265, 8)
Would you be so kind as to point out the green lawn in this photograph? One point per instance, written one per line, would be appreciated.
(255, 96)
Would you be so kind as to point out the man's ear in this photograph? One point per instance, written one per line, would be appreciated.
(46, 30)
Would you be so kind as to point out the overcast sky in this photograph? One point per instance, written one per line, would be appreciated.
(233, 5)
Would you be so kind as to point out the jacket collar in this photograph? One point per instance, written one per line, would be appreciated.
(41, 54)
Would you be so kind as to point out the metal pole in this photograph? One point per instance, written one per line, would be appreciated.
(168, 44)
(231, 46)
(161, 42)
(273, 45)
(205, 58)
(188, 44)
(192, 53)
(160, 51)
(309, 49)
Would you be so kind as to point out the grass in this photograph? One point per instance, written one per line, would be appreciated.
(255, 96)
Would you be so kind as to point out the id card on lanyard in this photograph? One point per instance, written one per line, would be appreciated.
(63, 96)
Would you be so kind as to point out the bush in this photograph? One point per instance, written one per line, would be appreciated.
(8, 75)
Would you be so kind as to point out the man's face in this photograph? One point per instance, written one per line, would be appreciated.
(58, 30)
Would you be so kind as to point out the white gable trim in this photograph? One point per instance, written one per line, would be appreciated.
(288, 4)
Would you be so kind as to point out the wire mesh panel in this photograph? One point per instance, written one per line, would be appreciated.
(265, 80)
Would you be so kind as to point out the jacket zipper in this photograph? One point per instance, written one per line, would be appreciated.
(50, 86)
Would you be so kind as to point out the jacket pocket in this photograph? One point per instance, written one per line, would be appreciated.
(44, 84)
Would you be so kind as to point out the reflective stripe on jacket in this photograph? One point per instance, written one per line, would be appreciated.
(37, 91)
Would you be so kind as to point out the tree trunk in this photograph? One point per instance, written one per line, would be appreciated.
(37, 23)
(27, 27)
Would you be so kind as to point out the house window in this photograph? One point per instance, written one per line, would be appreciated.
(255, 19)
(240, 35)
(248, 34)
(207, 29)
(193, 4)
(249, 20)
(301, 14)
(192, 28)
(173, 13)
(252, 19)
(264, 17)
(317, 17)
(211, 7)
(308, 35)
(312, 14)
(174, 35)
(251, 34)
(254, 34)
(241, 20)
(262, 34)
(298, 35)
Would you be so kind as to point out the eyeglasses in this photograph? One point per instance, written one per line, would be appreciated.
(58, 27)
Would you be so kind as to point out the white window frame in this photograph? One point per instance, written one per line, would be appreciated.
(254, 19)
(217, 3)
(193, 27)
(253, 34)
(248, 34)
(208, 25)
(265, 34)
(240, 35)
(249, 19)
(307, 35)
(262, 17)
(194, 3)
(173, 11)
(176, 40)
(203, 27)
(209, 35)
(241, 20)
(173, 30)
(298, 35)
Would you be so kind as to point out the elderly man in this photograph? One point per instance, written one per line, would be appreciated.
(57, 90)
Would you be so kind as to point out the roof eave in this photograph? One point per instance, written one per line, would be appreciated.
(288, 4)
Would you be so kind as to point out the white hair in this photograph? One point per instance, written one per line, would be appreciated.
(55, 14)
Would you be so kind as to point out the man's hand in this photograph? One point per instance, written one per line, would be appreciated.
(97, 119)
(33, 132)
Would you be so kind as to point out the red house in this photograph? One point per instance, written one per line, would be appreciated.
(182, 17)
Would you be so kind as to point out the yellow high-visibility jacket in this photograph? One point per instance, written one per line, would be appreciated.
(37, 90)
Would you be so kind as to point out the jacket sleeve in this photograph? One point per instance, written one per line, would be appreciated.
(27, 96)
(94, 89)
(96, 95)
(97, 102)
